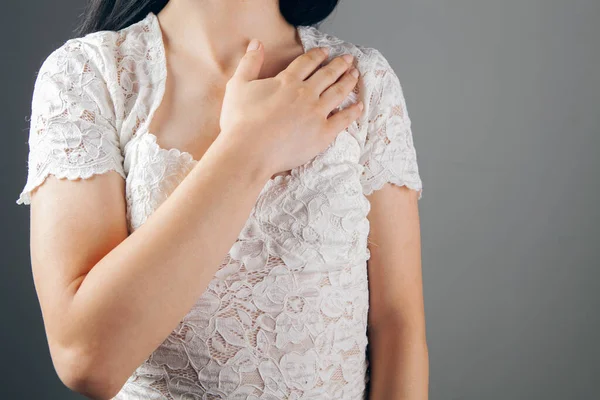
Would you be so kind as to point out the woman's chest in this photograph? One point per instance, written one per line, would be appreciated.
(187, 115)
(313, 216)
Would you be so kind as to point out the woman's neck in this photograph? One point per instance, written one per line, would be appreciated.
(216, 32)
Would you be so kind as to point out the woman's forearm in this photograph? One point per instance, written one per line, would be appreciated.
(399, 363)
(136, 295)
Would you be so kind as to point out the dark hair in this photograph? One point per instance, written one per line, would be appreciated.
(114, 15)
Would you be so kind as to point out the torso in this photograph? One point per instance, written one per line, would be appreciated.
(285, 316)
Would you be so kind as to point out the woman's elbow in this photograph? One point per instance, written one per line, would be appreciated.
(85, 374)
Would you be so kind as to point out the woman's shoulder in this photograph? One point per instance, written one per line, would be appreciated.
(121, 68)
(370, 61)
(106, 52)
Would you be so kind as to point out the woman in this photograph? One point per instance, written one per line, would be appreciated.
(210, 240)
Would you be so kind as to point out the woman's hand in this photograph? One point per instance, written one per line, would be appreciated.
(284, 121)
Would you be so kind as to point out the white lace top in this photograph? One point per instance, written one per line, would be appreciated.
(285, 316)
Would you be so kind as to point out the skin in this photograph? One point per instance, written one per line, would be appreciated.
(109, 299)
(397, 341)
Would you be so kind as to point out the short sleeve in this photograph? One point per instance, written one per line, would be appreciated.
(388, 153)
(72, 130)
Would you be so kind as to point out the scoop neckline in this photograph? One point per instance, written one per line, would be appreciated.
(158, 33)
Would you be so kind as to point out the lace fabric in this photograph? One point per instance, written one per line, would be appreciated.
(72, 133)
(285, 315)
(388, 152)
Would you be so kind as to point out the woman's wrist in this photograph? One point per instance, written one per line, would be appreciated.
(240, 156)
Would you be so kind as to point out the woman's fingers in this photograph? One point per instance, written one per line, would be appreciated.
(342, 119)
(304, 65)
(328, 74)
(336, 93)
(251, 63)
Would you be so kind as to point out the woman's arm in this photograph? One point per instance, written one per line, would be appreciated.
(108, 299)
(397, 341)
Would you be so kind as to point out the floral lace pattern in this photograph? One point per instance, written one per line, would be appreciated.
(285, 315)
(71, 132)
(388, 152)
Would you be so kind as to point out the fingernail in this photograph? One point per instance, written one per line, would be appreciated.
(325, 50)
(253, 45)
(348, 58)
(354, 72)
(360, 105)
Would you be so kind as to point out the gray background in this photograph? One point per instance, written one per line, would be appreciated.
(505, 102)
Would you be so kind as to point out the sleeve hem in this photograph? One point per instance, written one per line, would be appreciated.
(373, 185)
(70, 174)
